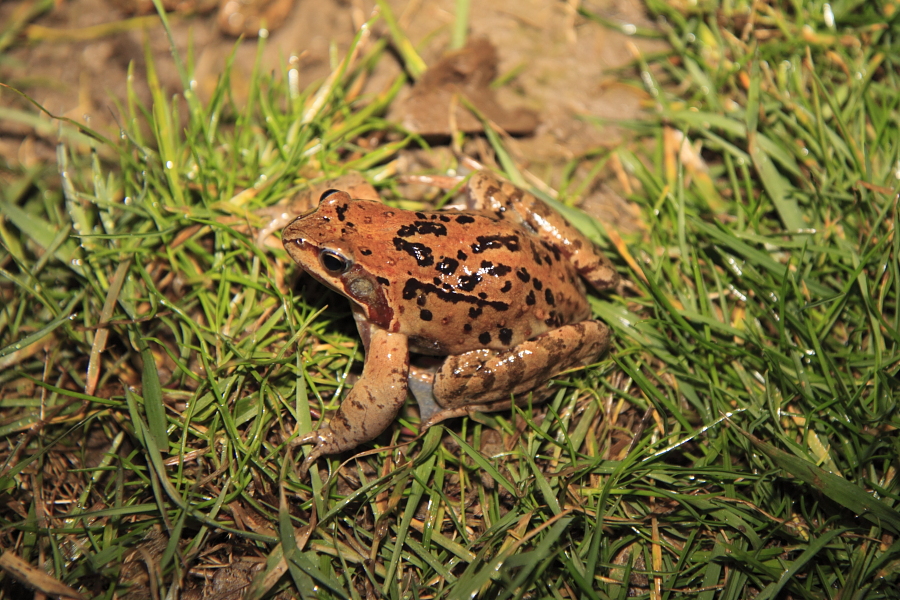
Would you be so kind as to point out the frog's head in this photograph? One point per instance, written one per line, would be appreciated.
(325, 243)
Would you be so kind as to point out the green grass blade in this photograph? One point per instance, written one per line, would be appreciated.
(832, 486)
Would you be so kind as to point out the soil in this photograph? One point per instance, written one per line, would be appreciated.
(565, 65)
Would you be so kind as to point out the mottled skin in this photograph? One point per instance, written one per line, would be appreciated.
(496, 288)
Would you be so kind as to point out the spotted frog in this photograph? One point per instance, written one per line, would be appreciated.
(496, 289)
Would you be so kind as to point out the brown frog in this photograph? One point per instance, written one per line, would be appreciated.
(496, 288)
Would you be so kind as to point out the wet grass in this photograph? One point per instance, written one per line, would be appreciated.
(739, 441)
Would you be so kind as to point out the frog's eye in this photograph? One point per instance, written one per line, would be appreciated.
(333, 262)
(327, 193)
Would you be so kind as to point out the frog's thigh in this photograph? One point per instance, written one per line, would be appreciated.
(373, 402)
(481, 377)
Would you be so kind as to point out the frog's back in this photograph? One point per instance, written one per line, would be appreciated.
(461, 280)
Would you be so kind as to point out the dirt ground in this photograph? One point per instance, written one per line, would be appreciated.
(565, 65)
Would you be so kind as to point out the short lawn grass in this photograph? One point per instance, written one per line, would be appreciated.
(739, 441)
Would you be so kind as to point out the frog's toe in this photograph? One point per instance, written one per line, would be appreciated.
(421, 391)
(307, 463)
(324, 442)
(309, 438)
(451, 413)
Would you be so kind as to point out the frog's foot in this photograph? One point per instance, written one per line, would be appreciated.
(275, 219)
(444, 182)
(464, 411)
(420, 382)
(325, 443)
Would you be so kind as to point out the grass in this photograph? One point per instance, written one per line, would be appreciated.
(739, 441)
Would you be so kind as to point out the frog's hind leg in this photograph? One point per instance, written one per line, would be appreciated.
(485, 379)
(421, 385)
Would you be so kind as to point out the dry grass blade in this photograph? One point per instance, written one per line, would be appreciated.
(35, 578)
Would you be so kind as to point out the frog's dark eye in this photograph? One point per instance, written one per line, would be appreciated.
(327, 193)
(333, 262)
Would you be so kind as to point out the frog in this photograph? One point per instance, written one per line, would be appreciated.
(495, 288)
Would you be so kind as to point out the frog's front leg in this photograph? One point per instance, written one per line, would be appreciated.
(373, 402)
(483, 380)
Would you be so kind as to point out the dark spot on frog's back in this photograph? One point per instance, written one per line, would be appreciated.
(420, 252)
(506, 286)
(425, 314)
(383, 281)
(495, 270)
(464, 219)
(552, 249)
(485, 338)
(447, 266)
(505, 336)
(548, 296)
(484, 243)
(413, 287)
(340, 210)
(467, 283)
(523, 274)
(422, 228)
